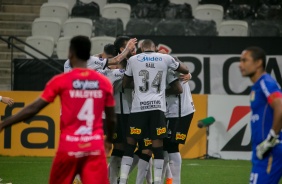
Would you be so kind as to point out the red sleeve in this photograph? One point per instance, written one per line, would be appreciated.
(109, 101)
(273, 96)
(51, 90)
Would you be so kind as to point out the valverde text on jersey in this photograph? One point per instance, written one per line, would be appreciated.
(24, 135)
(146, 58)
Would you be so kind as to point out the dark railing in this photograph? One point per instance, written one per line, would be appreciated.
(12, 45)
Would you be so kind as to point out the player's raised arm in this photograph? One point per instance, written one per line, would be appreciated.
(129, 47)
(25, 113)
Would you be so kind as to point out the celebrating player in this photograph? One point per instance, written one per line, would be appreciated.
(84, 95)
(179, 114)
(148, 71)
(266, 120)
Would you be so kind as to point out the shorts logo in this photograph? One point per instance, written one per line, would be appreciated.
(161, 131)
(115, 136)
(147, 142)
(135, 131)
(180, 136)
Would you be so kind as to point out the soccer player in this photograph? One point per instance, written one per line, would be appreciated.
(266, 119)
(179, 114)
(148, 70)
(95, 62)
(6, 100)
(84, 95)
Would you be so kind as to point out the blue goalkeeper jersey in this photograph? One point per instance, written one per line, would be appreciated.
(262, 94)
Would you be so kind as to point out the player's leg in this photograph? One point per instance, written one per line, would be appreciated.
(118, 150)
(64, 169)
(144, 160)
(158, 132)
(134, 133)
(179, 136)
(93, 169)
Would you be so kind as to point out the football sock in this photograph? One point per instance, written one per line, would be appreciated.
(143, 166)
(126, 163)
(114, 169)
(175, 166)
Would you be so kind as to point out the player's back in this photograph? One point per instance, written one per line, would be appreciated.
(149, 71)
(84, 93)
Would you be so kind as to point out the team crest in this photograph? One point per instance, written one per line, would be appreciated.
(253, 94)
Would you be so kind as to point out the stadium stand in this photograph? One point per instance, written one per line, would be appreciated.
(53, 9)
(47, 26)
(233, 28)
(193, 3)
(44, 44)
(70, 3)
(78, 26)
(140, 27)
(209, 12)
(117, 10)
(63, 47)
(98, 43)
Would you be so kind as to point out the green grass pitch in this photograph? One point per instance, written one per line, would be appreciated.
(35, 170)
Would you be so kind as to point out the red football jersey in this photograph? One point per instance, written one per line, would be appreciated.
(84, 94)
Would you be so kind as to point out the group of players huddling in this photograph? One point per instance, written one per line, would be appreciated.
(154, 109)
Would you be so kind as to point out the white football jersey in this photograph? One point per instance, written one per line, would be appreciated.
(93, 62)
(149, 71)
(187, 105)
(115, 77)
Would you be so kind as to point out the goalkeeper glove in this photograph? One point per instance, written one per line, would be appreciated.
(263, 148)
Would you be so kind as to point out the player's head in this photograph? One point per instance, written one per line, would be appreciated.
(253, 60)
(79, 49)
(148, 45)
(120, 44)
(109, 51)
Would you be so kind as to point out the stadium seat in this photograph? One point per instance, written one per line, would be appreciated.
(167, 27)
(98, 43)
(108, 27)
(57, 10)
(63, 47)
(193, 3)
(44, 44)
(233, 28)
(196, 27)
(139, 27)
(209, 12)
(117, 10)
(78, 26)
(101, 3)
(264, 28)
(47, 27)
(223, 3)
(70, 3)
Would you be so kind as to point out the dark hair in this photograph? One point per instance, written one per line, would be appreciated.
(257, 54)
(120, 42)
(123, 63)
(138, 51)
(81, 46)
(110, 49)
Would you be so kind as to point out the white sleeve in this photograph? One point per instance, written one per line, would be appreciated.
(67, 66)
(96, 63)
(171, 62)
(171, 76)
(128, 71)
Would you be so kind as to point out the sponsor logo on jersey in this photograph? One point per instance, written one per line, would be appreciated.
(161, 131)
(147, 142)
(146, 58)
(134, 130)
(85, 84)
(180, 136)
(254, 118)
(252, 96)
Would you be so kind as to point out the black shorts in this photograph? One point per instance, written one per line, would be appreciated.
(148, 124)
(178, 130)
(121, 128)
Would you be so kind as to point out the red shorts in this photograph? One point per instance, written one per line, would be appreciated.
(91, 168)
